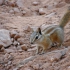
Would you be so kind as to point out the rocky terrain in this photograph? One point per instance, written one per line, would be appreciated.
(17, 18)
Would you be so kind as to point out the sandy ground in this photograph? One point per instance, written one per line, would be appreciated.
(13, 59)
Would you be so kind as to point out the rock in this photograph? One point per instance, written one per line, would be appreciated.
(26, 11)
(45, 65)
(17, 36)
(49, 7)
(1, 2)
(66, 43)
(2, 49)
(24, 47)
(8, 67)
(15, 43)
(5, 39)
(10, 50)
(41, 11)
(6, 55)
(27, 69)
(23, 12)
(50, 15)
(36, 67)
(35, 3)
(10, 62)
(12, 39)
(10, 57)
(57, 55)
(10, 3)
(16, 10)
(11, 11)
(27, 29)
(32, 49)
(20, 40)
(13, 33)
(59, 5)
(19, 48)
(20, 51)
(19, 3)
(68, 68)
(67, 1)
(6, 61)
(1, 46)
(5, 65)
(26, 60)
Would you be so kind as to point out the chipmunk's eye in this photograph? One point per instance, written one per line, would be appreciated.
(36, 37)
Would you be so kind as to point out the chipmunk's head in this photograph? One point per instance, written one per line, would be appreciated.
(35, 36)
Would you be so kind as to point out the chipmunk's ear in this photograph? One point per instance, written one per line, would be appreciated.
(39, 30)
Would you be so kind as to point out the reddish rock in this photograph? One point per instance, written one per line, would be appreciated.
(24, 47)
(1, 46)
(20, 40)
(17, 36)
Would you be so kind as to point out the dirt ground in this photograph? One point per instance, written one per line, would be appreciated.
(21, 19)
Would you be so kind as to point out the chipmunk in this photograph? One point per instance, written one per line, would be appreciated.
(52, 34)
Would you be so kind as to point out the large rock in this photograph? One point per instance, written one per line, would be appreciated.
(5, 38)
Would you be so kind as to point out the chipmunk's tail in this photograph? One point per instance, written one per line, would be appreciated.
(65, 19)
